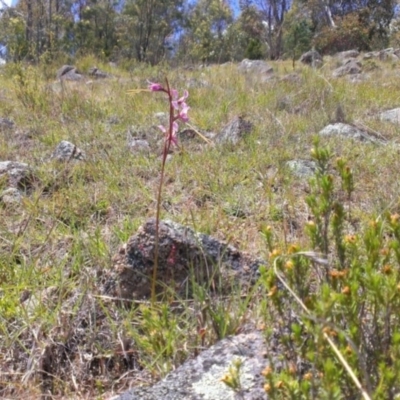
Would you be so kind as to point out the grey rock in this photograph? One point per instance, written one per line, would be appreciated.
(370, 55)
(113, 120)
(293, 78)
(347, 54)
(391, 116)
(396, 52)
(302, 168)
(66, 151)
(348, 131)
(162, 118)
(182, 253)
(194, 83)
(200, 378)
(6, 123)
(69, 72)
(357, 78)
(351, 67)
(258, 67)
(18, 175)
(311, 58)
(64, 70)
(10, 196)
(98, 73)
(136, 145)
(234, 131)
(386, 54)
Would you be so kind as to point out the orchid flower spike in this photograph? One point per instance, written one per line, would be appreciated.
(155, 87)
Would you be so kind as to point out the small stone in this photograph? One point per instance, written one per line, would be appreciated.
(348, 131)
(234, 131)
(302, 168)
(258, 68)
(69, 72)
(311, 58)
(6, 123)
(18, 175)
(351, 67)
(392, 116)
(11, 196)
(139, 146)
(97, 73)
(66, 151)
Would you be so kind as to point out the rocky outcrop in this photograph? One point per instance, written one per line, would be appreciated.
(343, 55)
(350, 66)
(201, 378)
(69, 73)
(98, 73)
(256, 66)
(183, 256)
(258, 69)
(311, 58)
(350, 132)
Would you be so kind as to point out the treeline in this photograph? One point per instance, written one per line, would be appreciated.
(193, 31)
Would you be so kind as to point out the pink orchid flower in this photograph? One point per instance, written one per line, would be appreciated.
(173, 136)
(181, 101)
(155, 87)
(183, 114)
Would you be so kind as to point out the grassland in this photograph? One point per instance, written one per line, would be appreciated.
(57, 244)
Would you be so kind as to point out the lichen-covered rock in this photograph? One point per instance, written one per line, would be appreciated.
(342, 55)
(200, 378)
(136, 146)
(17, 175)
(69, 72)
(311, 58)
(348, 131)
(98, 73)
(392, 116)
(10, 197)
(183, 255)
(302, 168)
(66, 151)
(234, 131)
(258, 67)
(350, 67)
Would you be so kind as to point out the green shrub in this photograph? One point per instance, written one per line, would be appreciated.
(348, 291)
(254, 50)
(352, 32)
(297, 39)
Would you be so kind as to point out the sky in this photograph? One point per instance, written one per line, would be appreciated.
(10, 2)
(234, 4)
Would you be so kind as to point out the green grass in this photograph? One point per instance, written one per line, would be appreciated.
(59, 243)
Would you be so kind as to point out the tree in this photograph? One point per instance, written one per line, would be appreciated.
(94, 31)
(206, 32)
(273, 13)
(297, 39)
(147, 27)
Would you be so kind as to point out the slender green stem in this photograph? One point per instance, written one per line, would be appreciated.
(167, 145)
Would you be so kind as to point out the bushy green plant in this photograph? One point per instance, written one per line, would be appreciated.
(346, 330)
(351, 32)
(254, 50)
(297, 39)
